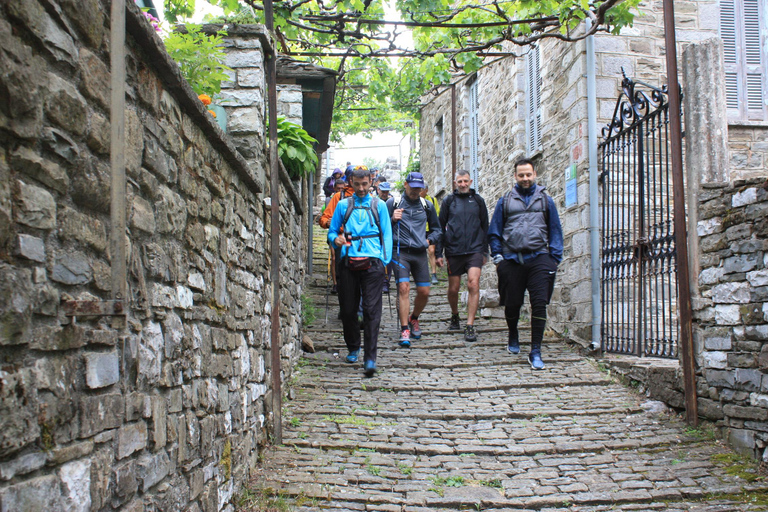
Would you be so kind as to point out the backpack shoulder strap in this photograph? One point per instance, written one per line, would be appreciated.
(507, 205)
(545, 196)
(424, 204)
(348, 213)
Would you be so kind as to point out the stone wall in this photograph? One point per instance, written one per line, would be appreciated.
(748, 150)
(731, 317)
(169, 413)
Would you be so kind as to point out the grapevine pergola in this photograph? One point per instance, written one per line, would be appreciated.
(380, 78)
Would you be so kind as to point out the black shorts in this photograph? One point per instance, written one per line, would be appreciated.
(409, 263)
(458, 265)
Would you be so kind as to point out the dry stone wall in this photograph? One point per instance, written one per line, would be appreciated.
(169, 413)
(731, 317)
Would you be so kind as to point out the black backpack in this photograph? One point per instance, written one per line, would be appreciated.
(373, 215)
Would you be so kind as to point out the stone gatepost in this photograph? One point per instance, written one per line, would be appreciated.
(706, 143)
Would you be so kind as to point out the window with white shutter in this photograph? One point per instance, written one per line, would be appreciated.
(742, 29)
(439, 156)
(474, 135)
(533, 100)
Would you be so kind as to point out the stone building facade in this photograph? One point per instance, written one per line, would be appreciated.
(170, 412)
(504, 93)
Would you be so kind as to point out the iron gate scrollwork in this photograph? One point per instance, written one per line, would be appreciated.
(639, 276)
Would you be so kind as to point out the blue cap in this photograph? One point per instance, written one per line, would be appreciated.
(415, 180)
(385, 186)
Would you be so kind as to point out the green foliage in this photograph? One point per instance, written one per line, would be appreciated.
(295, 148)
(375, 93)
(200, 58)
(308, 310)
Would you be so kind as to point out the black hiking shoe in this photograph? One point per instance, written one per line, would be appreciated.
(469, 333)
(455, 323)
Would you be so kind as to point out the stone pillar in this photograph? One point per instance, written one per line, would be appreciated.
(706, 139)
(290, 101)
(243, 96)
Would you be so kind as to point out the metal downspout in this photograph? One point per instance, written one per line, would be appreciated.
(594, 194)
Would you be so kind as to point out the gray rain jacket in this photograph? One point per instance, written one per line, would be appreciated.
(411, 231)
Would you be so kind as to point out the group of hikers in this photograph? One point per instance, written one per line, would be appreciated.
(373, 237)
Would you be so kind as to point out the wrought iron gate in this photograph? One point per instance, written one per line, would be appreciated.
(639, 276)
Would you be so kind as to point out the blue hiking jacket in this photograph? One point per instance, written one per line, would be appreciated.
(362, 223)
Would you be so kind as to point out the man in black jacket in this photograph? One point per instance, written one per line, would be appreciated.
(464, 221)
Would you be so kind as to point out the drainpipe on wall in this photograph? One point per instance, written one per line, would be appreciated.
(594, 194)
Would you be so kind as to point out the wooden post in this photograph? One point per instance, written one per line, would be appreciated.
(681, 238)
(274, 193)
(117, 156)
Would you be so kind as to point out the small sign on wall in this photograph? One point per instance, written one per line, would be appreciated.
(571, 190)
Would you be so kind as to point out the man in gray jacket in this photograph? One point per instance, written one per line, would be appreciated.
(409, 247)
(464, 218)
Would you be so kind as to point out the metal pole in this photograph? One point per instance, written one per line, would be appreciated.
(594, 193)
(117, 156)
(274, 191)
(681, 238)
(453, 135)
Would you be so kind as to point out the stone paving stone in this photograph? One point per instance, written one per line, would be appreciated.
(449, 425)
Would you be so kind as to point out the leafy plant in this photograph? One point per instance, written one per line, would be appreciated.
(295, 148)
(200, 57)
(308, 310)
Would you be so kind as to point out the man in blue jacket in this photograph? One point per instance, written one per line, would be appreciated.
(526, 241)
(360, 228)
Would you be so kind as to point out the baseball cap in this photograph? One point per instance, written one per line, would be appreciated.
(415, 180)
(385, 186)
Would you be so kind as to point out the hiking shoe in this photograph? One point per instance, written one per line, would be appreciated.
(434, 278)
(385, 288)
(534, 358)
(455, 323)
(413, 325)
(352, 356)
(405, 338)
(370, 368)
(513, 347)
(469, 333)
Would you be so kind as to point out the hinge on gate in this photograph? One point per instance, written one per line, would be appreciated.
(93, 307)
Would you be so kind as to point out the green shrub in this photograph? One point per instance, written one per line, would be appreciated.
(200, 57)
(296, 149)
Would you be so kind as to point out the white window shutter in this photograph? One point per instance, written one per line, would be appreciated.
(753, 61)
(533, 100)
(744, 59)
(474, 135)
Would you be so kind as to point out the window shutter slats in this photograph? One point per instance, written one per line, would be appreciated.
(752, 33)
(533, 99)
(728, 31)
(474, 134)
(744, 58)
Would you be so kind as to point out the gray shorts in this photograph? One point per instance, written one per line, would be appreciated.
(411, 263)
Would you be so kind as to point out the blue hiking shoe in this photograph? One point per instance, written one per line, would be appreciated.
(534, 358)
(413, 325)
(405, 338)
(370, 368)
(513, 347)
(353, 355)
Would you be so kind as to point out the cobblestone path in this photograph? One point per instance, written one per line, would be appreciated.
(451, 425)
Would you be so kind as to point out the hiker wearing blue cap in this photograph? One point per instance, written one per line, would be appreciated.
(411, 239)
